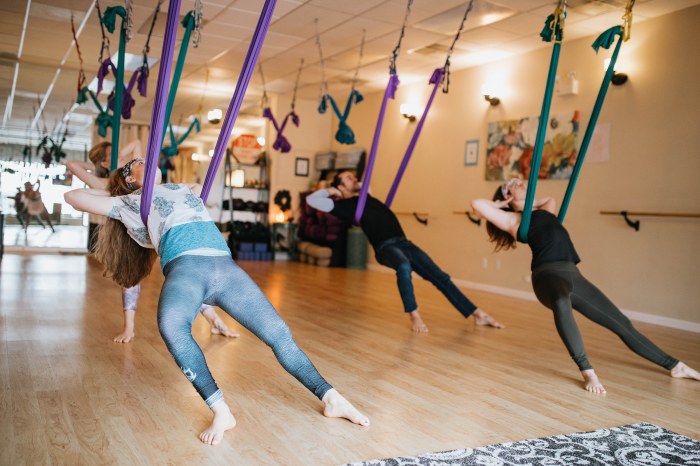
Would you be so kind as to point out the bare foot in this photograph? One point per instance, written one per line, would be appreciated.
(417, 324)
(591, 382)
(338, 406)
(682, 371)
(128, 333)
(482, 318)
(223, 420)
(218, 326)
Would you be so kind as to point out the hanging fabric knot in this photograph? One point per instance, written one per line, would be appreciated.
(189, 20)
(103, 71)
(607, 38)
(109, 19)
(323, 105)
(345, 134)
(295, 118)
(436, 77)
(170, 151)
(82, 96)
(357, 97)
(267, 113)
(142, 79)
(553, 26)
(393, 85)
(103, 121)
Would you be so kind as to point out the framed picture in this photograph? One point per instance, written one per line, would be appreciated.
(301, 168)
(471, 153)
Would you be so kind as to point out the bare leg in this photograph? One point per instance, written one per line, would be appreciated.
(218, 326)
(47, 217)
(222, 421)
(681, 371)
(482, 318)
(591, 382)
(417, 324)
(338, 406)
(128, 333)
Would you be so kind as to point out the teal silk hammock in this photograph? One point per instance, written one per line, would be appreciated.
(344, 135)
(554, 31)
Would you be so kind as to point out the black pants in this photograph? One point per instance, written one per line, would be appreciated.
(561, 287)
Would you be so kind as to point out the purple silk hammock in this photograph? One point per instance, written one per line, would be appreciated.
(439, 76)
(281, 143)
(155, 137)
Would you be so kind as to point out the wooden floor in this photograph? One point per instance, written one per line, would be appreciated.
(68, 395)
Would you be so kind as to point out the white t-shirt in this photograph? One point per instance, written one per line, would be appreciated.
(173, 205)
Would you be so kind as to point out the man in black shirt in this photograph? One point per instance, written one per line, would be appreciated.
(392, 249)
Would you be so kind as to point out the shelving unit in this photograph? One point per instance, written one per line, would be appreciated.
(248, 209)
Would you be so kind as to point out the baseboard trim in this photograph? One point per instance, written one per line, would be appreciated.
(530, 296)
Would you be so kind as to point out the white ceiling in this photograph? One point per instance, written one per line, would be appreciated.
(494, 30)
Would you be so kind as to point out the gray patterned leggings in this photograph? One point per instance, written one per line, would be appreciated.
(131, 295)
(561, 287)
(191, 280)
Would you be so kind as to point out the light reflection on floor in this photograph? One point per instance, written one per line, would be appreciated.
(67, 238)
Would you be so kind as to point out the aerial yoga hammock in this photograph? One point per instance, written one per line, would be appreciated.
(155, 136)
(104, 119)
(140, 75)
(344, 135)
(109, 20)
(281, 143)
(554, 29)
(172, 150)
(439, 76)
(191, 22)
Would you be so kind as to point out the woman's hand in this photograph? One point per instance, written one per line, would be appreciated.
(502, 204)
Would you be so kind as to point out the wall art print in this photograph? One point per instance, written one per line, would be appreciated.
(511, 145)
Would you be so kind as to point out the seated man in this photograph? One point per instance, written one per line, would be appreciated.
(392, 249)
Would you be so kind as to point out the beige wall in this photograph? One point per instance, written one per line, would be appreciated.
(654, 162)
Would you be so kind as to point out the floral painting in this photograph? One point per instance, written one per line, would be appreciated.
(511, 145)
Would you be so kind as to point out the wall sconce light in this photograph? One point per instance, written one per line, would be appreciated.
(280, 217)
(617, 78)
(488, 92)
(236, 179)
(409, 111)
(261, 141)
(214, 116)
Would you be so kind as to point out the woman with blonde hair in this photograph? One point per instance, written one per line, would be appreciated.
(558, 283)
(198, 268)
(96, 175)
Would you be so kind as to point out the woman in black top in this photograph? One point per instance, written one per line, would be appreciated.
(559, 285)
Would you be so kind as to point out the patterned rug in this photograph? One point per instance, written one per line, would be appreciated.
(632, 445)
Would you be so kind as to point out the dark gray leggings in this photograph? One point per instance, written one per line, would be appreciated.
(561, 287)
(192, 280)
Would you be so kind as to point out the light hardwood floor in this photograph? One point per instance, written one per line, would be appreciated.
(68, 395)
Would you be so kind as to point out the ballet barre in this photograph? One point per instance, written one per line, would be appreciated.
(635, 223)
(475, 220)
(421, 217)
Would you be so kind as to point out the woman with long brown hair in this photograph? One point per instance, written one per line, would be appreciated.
(558, 283)
(96, 175)
(198, 268)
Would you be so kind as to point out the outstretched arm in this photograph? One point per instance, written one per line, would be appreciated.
(94, 201)
(130, 151)
(492, 211)
(85, 171)
(321, 199)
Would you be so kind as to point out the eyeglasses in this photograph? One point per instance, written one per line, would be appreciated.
(510, 184)
(126, 171)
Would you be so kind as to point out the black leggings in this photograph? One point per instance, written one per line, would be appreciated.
(561, 287)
